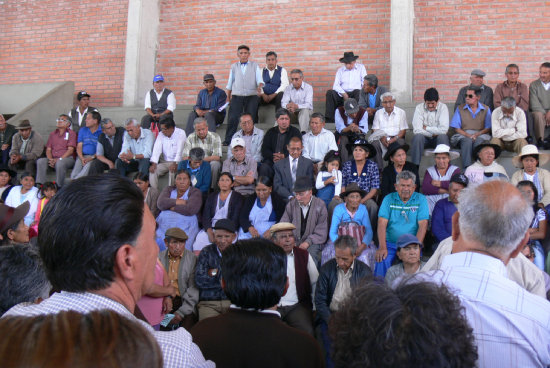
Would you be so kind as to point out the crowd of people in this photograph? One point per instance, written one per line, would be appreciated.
(313, 235)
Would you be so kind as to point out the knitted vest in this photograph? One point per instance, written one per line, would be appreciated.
(244, 85)
(272, 84)
(158, 106)
(469, 123)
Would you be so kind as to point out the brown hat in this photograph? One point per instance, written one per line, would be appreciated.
(10, 215)
(281, 226)
(353, 188)
(24, 124)
(176, 233)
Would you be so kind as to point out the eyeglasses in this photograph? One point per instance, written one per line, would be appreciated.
(294, 79)
(388, 102)
(469, 96)
(62, 120)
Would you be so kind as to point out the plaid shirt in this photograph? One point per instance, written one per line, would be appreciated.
(212, 144)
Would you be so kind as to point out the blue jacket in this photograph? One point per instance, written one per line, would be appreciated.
(203, 175)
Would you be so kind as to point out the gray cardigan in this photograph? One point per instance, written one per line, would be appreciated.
(539, 98)
(317, 222)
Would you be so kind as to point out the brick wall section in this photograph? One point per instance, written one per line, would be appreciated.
(198, 37)
(452, 37)
(59, 40)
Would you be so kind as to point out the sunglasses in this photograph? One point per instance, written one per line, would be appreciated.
(470, 96)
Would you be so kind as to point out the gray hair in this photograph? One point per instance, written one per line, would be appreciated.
(491, 214)
(346, 241)
(23, 276)
(405, 175)
(387, 94)
(318, 115)
(196, 154)
(275, 236)
(297, 71)
(372, 80)
(106, 121)
(199, 120)
(510, 66)
(508, 102)
(131, 121)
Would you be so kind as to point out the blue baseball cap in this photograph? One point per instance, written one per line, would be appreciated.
(158, 78)
(407, 239)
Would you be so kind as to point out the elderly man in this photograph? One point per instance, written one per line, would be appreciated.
(159, 102)
(210, 105)
(179, 264)
(275, 80)
(60, 152)
(26, 147)
(109, 145)
(490, 228)
(430, 125)
(87, 145)
(445, 208)
(243, 168)
(108, 266)
(539, 102)
(78, 114)
(389, 125)
(472, 124)
(7, 131)
(252, 136)
(511, 87)
(199, 170)
(166, 152)
(254, 279)
(137, 146)
(402, 212)
(309, 215)
(298, 99)
(289, 169)
(318, 141)
(274, 145)
(369, 98)
(296, 305)
(509, 126)
(476, 80)
(213, 300)
(243, 87)
(347, 83)
(351, 123)
(211, 144)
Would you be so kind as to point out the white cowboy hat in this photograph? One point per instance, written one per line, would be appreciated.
(443, 148)
(530, 149)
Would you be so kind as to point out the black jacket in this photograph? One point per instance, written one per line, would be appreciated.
(235, 204)
(270, 142)
(278, 207)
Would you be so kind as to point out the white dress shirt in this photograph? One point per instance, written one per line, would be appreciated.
(392, 123)
(317, 146)
(436, 122)
(348, 80)
(171, 100)
(303, 96)
(170, 147)
(291, 296)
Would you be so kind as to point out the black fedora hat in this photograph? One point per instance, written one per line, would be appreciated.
(478, 149)
(348, 57)
(392, 148)
(364, 144)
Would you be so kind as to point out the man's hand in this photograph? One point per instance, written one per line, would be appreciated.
(292, 107)
(304, 245)
(200, 112)
(176, 320)
(381, 254)
(173, 167)
(253, 232)
(181, 202)
(278, 156)
(110, 164)
(345, 96)
(547, 118)
(52, 162)
(15, 158)
(384, 141)
(436, 183)
(152, 167)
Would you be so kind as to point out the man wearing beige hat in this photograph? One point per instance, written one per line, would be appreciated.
(509, 126)
(296, 305)
(476, 79)
(26, 147)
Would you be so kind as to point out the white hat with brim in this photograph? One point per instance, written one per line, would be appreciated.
(527, 150)
(443, 148)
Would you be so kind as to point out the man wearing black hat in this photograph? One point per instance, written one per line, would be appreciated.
(78, 114)
(159, 102)
(209, 102)
(26, 147)
(348, 83)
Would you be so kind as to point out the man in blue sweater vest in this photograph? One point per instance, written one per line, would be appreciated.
(275, 80)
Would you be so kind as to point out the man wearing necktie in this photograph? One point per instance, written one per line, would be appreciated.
(288, 169)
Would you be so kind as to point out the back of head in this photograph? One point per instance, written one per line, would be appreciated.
(70, 339)
(83, 226)
(416, 325)
(254, 272)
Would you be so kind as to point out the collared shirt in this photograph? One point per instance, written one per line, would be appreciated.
(303, 96)
(349, 80)
(59, 144)
(88, 140)
(546, 85)
(231, 80)
(173, 267)
(342, 289)
(436, 122)
(170, 99)
(284, 77)
(170, 147)
(242, 169)
(403, 217)
(520, 93)
(143, 145)
(253, 143)
(391, 123)
(264, 311)
(339, 122)
(509, 128)
(211, 101)
(305, 208)
(456, 121)
(80, 116)
(317, 146)
(177, 347)
(291, 296)
(211, 144)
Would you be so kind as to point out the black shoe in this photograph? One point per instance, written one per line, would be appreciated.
(529, 140)
(540, 143)
(225, 144)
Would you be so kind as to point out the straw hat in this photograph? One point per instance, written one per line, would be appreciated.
(527, 150)
(443, 148)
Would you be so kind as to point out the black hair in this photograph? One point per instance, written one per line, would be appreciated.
(528, 183)
(329, 157)
(141, 176)
(280, 112)
(96, 116)
(47, 185)
(168, 121)
(243, 47)
(228, 174)
(271, 53)
(431, 94)
(265, 180)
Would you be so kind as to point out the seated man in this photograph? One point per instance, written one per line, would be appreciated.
(159, 102)
(445, 208)
(212, 299)
(109, 145)
(179, 264)
(275, 80)
(211, 144)
(298, 99)
(26, 147)
(276, 139)
(78, 114)
(243, 168)
(137, 146)
(352, 123)
(318, 141)
(87, 145)
(430, 125)
(288, 169)
(509, 126)
(199, 170)
(401, 212)
(369, 98)
(252, 136)
(472, 125)
(254, 279)
(166, 152)
(389, 125)
(209, 102)
(347, 84)
(476, 80)
(7, 131)
(296, 305)
(309, 216)
(60, 152)
(539, 102)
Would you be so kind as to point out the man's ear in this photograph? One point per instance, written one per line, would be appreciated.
(456, 228)
(519, 248)
(125, 258)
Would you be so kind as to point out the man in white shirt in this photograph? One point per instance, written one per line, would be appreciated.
(275, 80)
(347, 84)
(159, 102)
(298, 99)
(318, 141)
(167, 152)
(509, 126)
(78, 114)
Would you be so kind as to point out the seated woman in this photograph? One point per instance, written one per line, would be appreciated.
(179, 205)
(200, 172)
(435, 185)
(225, 204)
(409, 252)
(24, 192)
(13, 229)
(6, 177)
(486, 168)
(261, 210)
(529, 162)
(537, 230)
(150, 194)
(397, 156)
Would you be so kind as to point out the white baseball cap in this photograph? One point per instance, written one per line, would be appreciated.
(238, 142)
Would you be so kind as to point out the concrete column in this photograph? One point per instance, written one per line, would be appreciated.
(141, 49)
(401, 49)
